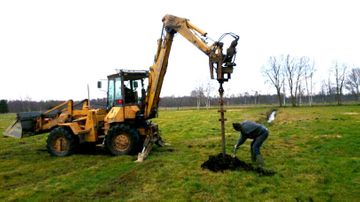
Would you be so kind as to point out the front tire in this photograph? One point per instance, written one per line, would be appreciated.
(61, 142)
(122, 140)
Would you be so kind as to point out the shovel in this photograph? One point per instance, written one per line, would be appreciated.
(14, 130)
(25, 124)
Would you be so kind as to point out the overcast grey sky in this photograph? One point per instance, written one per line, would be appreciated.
(53, 49)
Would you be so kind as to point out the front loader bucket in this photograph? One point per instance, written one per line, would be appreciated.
(25, 125)
(14, 130)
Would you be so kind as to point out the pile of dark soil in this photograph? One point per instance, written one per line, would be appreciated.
(220, 163)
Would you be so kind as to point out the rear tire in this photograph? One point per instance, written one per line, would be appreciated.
(61, 142)
(122, 140)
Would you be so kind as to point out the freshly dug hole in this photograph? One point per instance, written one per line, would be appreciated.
(219, 163)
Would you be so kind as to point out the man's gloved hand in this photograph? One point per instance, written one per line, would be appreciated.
(234, 151)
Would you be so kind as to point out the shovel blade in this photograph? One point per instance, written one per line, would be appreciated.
(14, 130)
(24, 126)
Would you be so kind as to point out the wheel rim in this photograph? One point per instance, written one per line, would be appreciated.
(121, 142)
(61, 144)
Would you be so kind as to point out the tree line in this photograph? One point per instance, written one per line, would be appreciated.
(15, 106)
(293, 76)
(254, 99)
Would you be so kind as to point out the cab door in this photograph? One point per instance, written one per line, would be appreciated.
(115, 93)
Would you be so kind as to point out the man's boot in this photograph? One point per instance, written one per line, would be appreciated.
(259, 161)
(253, 157)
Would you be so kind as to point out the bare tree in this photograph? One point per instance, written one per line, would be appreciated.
(300, 94)
(289, 72)
(256, 97)
(294, 70)
(352, 82)
(198, 93)
(284, 92)
(208, 90)
(323, 91)
(340, 74)
(274, 74)
(28, 102)
(329, 87)
(308, 75)
(246, 96)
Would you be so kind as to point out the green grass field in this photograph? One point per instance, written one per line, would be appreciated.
(314, 150)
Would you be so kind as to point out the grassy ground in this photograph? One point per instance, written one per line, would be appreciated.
(315, 152)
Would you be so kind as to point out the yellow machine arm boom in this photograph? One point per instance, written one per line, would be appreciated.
(187, 30)
(222, 64)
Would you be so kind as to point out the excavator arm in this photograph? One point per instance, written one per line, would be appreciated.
(173, 24)
(221, 63)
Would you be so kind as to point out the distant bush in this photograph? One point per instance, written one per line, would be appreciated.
(3, 106)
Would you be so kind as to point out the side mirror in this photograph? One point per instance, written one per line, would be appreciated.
(99, 84)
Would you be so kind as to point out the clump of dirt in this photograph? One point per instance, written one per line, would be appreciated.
(220, 163)
(170, 150)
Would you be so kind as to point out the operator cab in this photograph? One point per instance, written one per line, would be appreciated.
(128, 87)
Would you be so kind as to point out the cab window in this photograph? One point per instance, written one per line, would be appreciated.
(115, 97)
(118, 92)
(111, 93)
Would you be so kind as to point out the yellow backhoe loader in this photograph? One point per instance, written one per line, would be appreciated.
(124, 127)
